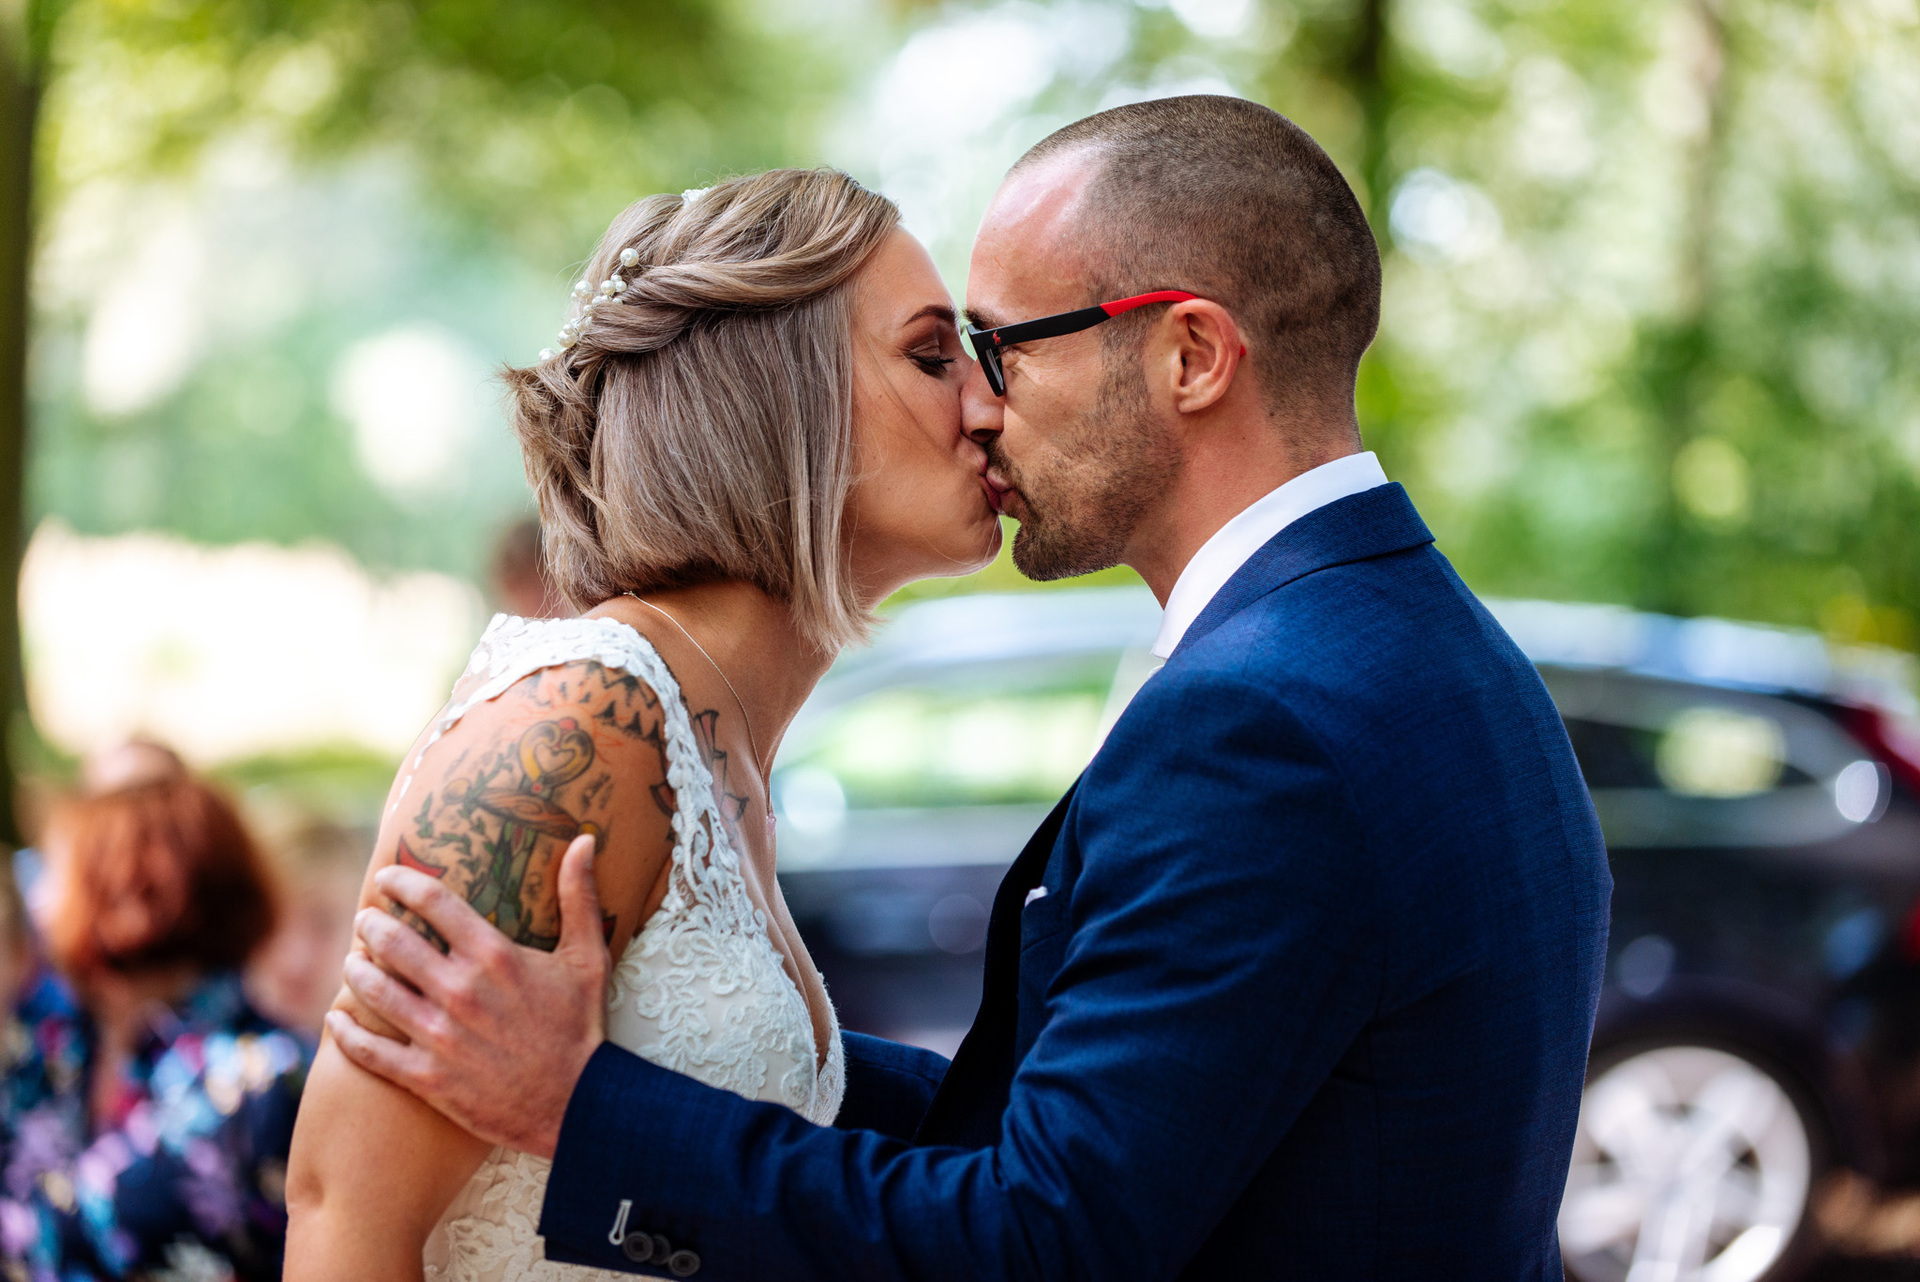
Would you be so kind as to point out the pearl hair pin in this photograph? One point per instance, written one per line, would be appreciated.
(586, 297)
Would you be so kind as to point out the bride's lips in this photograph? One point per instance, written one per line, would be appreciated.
(997, 491)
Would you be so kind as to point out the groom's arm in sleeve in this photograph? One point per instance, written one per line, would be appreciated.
(889, 1085)
(1222, 955)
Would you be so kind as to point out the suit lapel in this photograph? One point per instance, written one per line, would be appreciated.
(1368, 524)
(973, 1093)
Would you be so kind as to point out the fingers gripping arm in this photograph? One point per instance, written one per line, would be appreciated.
(465, 1045)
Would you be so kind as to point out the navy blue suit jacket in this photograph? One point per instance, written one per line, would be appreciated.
(1309, 994)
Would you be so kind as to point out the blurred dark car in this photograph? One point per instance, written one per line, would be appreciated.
(917, 772)
(1760, 796)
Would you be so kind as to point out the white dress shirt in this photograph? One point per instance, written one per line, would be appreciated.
(1221, 556)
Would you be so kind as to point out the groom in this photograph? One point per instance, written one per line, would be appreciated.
(1297, 981)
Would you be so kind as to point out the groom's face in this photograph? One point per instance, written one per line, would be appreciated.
(1074, 444)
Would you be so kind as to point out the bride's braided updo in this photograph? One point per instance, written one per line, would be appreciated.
(699, 426)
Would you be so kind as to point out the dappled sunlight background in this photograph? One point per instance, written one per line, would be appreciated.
(234, 652)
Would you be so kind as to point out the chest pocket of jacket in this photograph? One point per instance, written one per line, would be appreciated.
(1043, 946)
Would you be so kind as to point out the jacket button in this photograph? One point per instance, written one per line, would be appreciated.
(683, 1264)
(637, 1247)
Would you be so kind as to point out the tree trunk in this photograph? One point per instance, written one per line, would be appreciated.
(1367, 77)
(20, 72)
(1675, 351)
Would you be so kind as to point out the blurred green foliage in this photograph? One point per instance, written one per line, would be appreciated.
(531, 114)
(1652, 329)
(1652, 313)
(1652, 317)
(334, 169)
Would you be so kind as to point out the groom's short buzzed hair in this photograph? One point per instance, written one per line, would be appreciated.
(1230, 200)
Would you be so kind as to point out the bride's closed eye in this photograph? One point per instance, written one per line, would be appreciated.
(932, 365)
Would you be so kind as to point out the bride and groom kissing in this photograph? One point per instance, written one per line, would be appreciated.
(1296, 981)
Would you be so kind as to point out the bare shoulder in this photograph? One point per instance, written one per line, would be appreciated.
(571, 749)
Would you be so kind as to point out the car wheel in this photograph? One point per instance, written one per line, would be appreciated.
(1691, 1164)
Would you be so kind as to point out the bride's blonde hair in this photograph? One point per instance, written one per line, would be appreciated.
(700, 427)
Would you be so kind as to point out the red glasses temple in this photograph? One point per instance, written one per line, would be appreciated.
(1141, 300)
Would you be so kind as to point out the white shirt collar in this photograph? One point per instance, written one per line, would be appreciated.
(1221, 556)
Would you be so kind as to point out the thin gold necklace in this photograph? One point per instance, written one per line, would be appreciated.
(752, 738)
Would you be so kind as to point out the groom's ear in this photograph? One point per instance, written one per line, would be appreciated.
(1207, 354)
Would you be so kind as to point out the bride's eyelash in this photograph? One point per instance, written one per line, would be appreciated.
(934, 366)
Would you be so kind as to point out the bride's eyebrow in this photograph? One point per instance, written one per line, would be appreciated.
(939, 311)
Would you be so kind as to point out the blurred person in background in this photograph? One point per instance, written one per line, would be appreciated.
(42, 1100)
(296, 973)
(129, 765)
(107, 770)
(147, 1122)
(518, 575)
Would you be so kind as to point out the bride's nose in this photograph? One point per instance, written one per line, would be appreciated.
(982, 414)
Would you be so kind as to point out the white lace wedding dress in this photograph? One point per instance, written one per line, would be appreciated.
(699, 990)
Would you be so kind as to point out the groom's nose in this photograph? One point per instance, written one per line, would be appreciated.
(982, 414)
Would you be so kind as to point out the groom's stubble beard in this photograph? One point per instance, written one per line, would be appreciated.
(1084, 501)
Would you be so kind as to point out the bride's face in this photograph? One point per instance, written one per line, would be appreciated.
(921, 507)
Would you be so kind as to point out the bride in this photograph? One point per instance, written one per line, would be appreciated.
(749, 434)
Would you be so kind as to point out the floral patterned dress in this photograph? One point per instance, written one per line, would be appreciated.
(183, 1179)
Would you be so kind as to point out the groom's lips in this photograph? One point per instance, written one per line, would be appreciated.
(997, 490)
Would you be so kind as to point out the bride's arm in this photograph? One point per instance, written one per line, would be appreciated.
(490, 810)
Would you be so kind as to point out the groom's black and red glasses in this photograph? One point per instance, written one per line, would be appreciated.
(988, 343)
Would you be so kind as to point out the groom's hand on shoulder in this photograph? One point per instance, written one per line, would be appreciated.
(492, 1033)
(478, 974)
